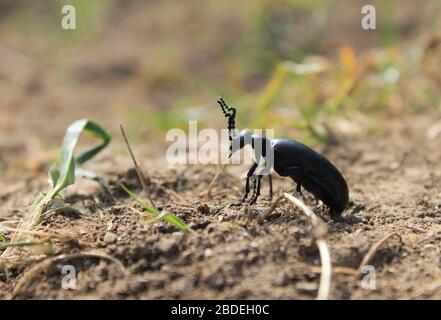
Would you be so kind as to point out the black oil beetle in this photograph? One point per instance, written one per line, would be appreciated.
(290, 158)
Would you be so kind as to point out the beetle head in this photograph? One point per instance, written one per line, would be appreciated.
(241, 140)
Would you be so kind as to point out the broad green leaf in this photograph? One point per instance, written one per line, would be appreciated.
(96, 131)
(54, 175)
(64, 174)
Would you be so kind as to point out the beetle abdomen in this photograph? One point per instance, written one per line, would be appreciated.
(332, 191)
(317, 174)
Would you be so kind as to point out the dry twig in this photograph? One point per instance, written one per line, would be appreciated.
(44, 265)
(431, 288)
(375, 247)
(141, 176)
(319, 233)
(206, 193)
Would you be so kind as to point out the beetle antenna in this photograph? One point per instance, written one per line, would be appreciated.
(230, 113)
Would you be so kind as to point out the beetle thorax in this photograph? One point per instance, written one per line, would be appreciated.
(260, 146)
(259, 143)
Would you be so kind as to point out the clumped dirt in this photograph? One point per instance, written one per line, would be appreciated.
(394, 187)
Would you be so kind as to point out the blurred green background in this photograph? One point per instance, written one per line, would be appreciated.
(304, 68)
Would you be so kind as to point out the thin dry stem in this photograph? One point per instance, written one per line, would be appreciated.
(30, 232)
(176, 195)
(24, 227)
(44, 265)
(273, 207)
(140, 174)
(319, 235)
(375, 247)
(59, 234)
(431, 288)
(338, 270)
(207, 193)
(326, 275)
(325, 257)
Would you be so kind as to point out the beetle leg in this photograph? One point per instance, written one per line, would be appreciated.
(296, 173)
(247, 190)
(247, 184)
(270, 177)
(253, 178)
(299, 190)
(256, 192)
(336, 216)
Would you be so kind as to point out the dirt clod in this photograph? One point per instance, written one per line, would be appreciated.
(110, 237)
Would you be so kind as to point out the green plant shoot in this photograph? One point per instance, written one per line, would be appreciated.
(167, 216)
(63, 174)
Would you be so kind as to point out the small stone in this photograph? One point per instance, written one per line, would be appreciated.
(306, 287)
(110, 237)
(281, 280)
(208, 253)
(254, 245)
(167, 246)
(394, 165)
(138, 286)
(109, 226)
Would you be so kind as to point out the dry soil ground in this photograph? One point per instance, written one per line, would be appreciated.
(393, 175)
(394, 179)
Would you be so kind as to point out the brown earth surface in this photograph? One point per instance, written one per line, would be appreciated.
(141, 60)
(394, 180)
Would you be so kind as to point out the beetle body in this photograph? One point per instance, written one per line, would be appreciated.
(289, 158)
(312, 171)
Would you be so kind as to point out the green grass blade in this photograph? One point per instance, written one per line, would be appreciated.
(66, 169)
(274, 87)
(167, 216)
(54, 175)
(94, 130)
(21, 244)
(63, 175)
